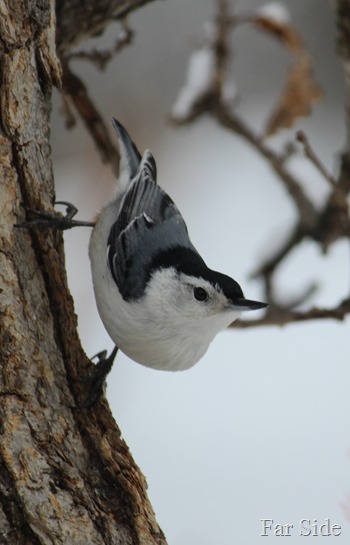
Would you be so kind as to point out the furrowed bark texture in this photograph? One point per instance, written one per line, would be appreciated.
(66, 476)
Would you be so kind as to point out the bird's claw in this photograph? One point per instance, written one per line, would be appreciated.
(54, 221)
(98, 377)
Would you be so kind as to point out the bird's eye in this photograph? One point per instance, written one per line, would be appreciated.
(200, 294)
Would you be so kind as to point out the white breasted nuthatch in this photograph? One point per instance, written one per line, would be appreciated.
(157, 298)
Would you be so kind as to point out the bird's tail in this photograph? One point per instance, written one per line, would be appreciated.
(130, 157)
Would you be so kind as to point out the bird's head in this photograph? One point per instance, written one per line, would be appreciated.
(186, 291)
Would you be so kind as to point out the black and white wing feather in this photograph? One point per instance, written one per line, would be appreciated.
(147, 225)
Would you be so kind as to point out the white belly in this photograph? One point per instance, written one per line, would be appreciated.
(150, 345)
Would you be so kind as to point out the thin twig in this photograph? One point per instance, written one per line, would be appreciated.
(102, 57)
(287, 317)
(267, 268)
(66, 111)
(220, 47)
(311, 154)
(74, 92)
(75, 88)
(230, 120)
(282, 308)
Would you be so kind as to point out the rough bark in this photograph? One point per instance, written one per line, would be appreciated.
(66, 476)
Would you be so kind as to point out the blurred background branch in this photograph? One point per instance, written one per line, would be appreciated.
(324, 226)
(78, 20)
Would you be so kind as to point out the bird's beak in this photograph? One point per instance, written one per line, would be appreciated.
(246, 304)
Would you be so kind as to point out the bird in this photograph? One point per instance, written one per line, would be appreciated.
(158, 300)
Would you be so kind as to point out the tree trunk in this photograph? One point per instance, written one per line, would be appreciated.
(66, 476)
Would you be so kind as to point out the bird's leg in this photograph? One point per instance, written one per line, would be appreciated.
(54, 221)
(98, 377)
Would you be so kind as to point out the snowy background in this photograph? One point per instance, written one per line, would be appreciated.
(260, 427)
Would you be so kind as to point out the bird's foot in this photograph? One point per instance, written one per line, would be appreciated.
(98, 377)
(43, 219)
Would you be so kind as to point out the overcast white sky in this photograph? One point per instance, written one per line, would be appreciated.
(260, 427)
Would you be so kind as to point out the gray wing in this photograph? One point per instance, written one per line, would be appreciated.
(148, 224)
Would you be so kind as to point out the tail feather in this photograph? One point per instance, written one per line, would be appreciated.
(130, 157)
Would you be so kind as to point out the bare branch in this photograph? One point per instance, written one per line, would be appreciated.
(78, 94)
(267, 268)
(74, 92)
(307, 211)
(103, 57)
(311, 154)
(325, 226)
(286, 317)
(79, 20)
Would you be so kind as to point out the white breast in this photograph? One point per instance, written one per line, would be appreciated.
(141, 329)
(135, 334)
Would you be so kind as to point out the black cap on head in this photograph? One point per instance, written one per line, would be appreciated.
(232, 290)
(189, 262)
